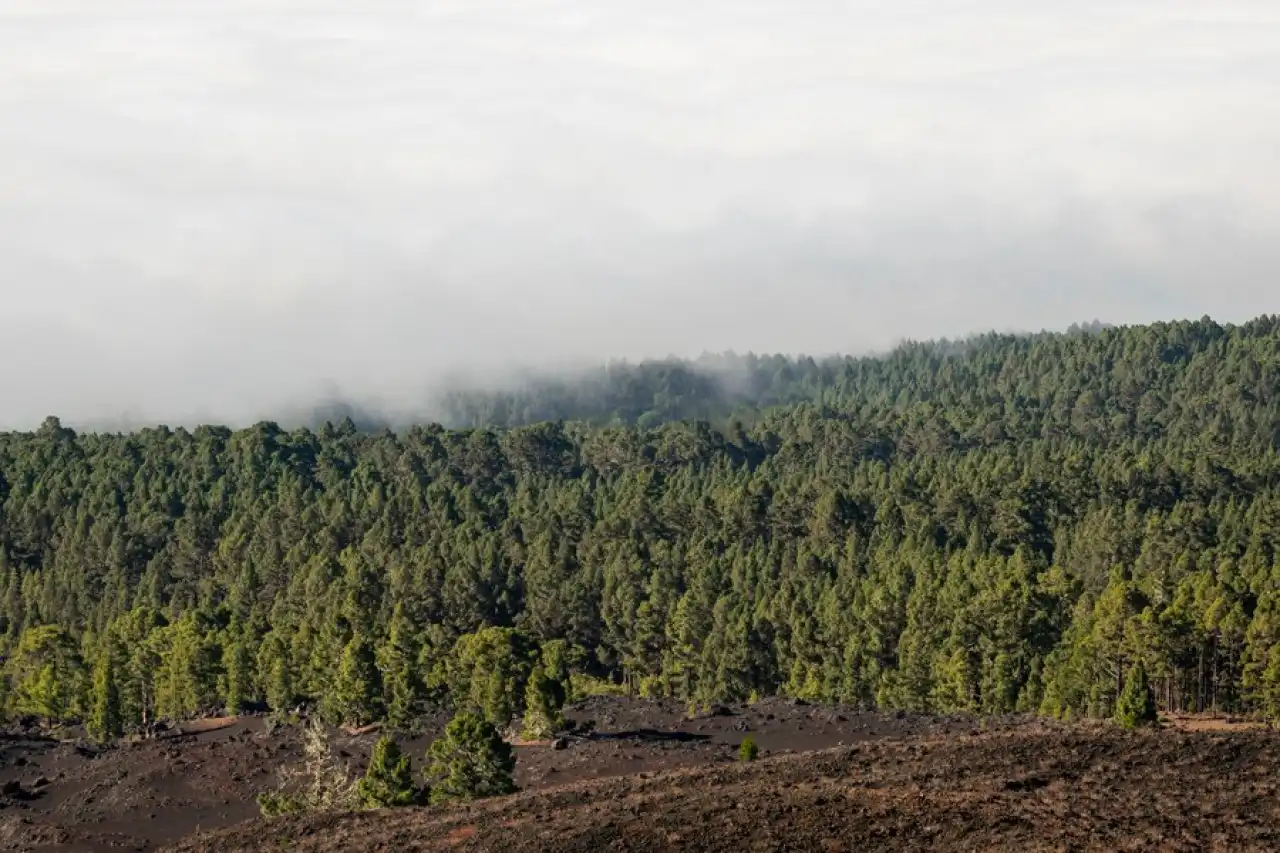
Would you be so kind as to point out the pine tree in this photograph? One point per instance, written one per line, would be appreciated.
(276, 674)
(46, 674)
(238, 666)
(748, 751)
(403, 686)
(470, 760)
(389, 780)
(1270, 688)
(186, 682)
(496, 703)
(136, 634)
(357, 692)
(542, 704)
(488, 672)
(1136, 706)
(104, 722)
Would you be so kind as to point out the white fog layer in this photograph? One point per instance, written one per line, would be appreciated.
(216, 210)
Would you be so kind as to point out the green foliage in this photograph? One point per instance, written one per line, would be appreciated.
(186, 681)
(582, 685)
(404, 688)
(748, 751)
(356, 698)
(997, 524)
(278, 804)
(103, 724)
(560, 659)
(46, 674)
(1136, 706)
(239, 681)
(469, 761)
(388, 782)
(276, 674)
(488, 672)
(137, 635)
(544, 699)
(1268, 694)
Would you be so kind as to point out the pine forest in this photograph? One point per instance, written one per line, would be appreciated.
(1000, 524)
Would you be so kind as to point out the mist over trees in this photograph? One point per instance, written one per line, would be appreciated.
(717, 388)
(1015, 523)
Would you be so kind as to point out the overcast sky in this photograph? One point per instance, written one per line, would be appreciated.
(212, 210)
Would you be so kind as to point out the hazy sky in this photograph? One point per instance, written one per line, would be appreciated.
(214, 209)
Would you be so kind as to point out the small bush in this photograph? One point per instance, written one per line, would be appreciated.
(277, 803)
(389, 780)
(543, 700)
(470, 760)
(1136, 706)
(582, 686)
(748, 751)
(321, 784)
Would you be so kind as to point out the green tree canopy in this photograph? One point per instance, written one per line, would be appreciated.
(469, 761)
(388, 782)
(1001, 523)
(1136, 706)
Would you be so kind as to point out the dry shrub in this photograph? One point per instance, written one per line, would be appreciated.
(321, 783)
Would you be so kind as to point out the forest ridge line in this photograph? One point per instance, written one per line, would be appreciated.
(717, 387)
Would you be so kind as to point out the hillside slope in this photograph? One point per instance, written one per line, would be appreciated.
(1030, 788)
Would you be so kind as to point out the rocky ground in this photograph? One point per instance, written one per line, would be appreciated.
(642, 776)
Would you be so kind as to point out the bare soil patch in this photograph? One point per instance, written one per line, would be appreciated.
(1028, 788)
(1212, 723)
(639, 775)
